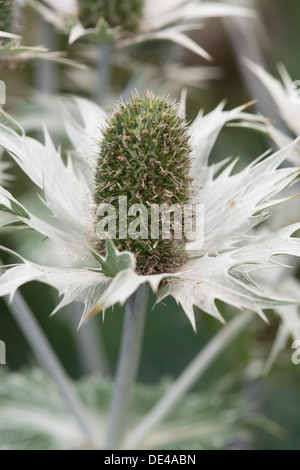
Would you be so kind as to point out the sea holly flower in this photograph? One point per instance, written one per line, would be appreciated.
(10, 16)
(127, 13)
(286, 96)
(12, 51)
(144, 155)
(220, 267)
(134, 21)
(10, 25)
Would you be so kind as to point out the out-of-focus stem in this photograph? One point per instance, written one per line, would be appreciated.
(187, 379)
(48, 360)
(103, 75)
(133, 332)
(89, 344)
(46, 71)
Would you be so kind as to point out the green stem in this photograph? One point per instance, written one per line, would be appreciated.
(46, 72)
(187, 379)
(103, 76)
(133, 332)
(89, 344)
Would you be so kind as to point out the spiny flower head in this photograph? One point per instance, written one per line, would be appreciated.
(219, 267)
(125, 13)
(145, 156)
(148, 19)
(10, 18)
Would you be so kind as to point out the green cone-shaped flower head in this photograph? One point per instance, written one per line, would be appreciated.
(10, 18)
(144, 155)
(123, 13)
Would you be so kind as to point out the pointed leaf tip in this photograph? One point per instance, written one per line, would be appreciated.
(115, 260)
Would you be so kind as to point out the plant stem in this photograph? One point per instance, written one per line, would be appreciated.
(89, 344)
(187, 379)
(46, 72)
(103, 75)
(48, 359)
(133, 332)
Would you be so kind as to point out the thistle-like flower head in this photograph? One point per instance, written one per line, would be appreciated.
(220, 267)
(132, 22)
(124, 14)
(10, 16)
(12, 52)
(144, 154)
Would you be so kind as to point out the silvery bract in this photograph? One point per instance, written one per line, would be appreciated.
(286, 96)
(5, 177)
(12, 51)
(234, 204)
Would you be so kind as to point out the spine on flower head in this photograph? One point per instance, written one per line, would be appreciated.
(10, 16)
(144, 155)
(122, 13)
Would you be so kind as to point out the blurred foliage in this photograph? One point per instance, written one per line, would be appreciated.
(216, 419)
